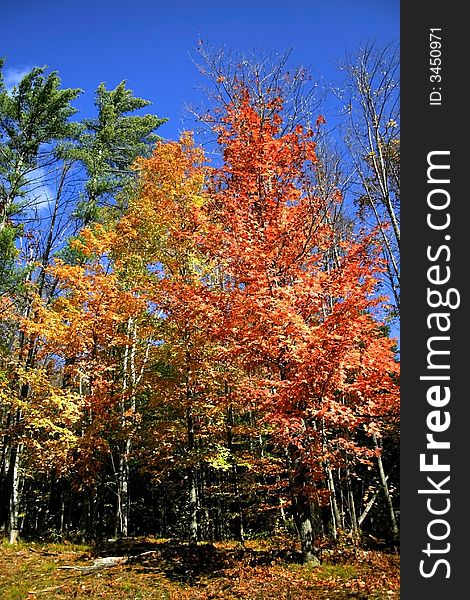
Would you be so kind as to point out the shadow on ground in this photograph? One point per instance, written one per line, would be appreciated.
(188, 563)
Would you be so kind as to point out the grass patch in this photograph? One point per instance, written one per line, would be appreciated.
(343, 572)
(326, 571)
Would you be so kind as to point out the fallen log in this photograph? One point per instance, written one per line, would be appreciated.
(108, 562)
(99, 563)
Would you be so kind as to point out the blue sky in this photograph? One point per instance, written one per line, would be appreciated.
(149, 43)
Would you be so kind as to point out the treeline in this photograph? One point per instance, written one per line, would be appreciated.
(193, 350)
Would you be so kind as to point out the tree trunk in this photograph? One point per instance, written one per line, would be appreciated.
(302, 511)
(193, 525)
(303, 521)
(130, 381)
(239, 531)
(355, 529)
(62, 513)
(335, 513)
(192, 476)
(85, 518)
(14, 518)
(388, 499)
(5, 483)
(123, 500)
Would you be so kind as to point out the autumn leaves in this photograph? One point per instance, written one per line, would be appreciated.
(225, 323)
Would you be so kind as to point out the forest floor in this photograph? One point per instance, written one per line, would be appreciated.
(167, 570)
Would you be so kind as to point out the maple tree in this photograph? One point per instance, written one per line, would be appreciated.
(306, 329)
(101, 313)
(160, 232)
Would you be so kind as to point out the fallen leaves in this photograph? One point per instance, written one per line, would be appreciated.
(173, 571)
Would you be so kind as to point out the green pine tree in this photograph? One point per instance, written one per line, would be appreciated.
(109, 144)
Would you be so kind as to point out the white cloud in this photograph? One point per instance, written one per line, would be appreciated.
(39, 195)
(13, 75)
